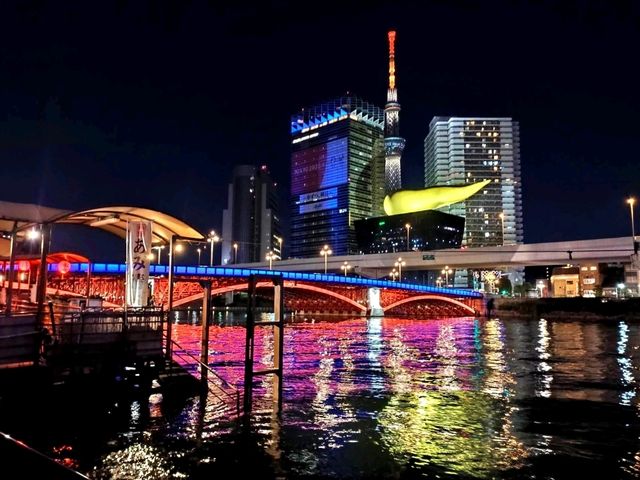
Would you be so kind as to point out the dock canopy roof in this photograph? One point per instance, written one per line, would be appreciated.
(24, 216)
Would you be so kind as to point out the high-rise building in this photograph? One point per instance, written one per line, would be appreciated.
(393, 143)
(250, 221)
(459, 151)
(337, 174)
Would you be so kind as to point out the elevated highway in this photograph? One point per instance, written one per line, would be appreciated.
(602, 250)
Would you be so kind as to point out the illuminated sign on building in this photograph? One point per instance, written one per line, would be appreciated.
(317, 196)
(318, 206)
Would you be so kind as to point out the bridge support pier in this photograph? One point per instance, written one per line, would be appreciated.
(373, 300)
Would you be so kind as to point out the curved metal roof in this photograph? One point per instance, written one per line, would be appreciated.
(23, 216)
(114, 220)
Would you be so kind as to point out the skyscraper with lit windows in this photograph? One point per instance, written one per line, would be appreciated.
(250, 223)
(460, 151)
(337, 174)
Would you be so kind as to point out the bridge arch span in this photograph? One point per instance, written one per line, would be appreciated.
(287, 284)
(441, 298)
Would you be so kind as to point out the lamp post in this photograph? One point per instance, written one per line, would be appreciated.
(408, 227)
(446, 272)
(326, 251)
(213, 238)
(439, 281)
(400, 263)
(345, 266)
(270, 257)
(631, 201)
(393, 274)
(501, 215)
(199, 251)
(235, 252)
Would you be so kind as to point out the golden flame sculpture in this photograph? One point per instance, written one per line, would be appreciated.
(408, 201)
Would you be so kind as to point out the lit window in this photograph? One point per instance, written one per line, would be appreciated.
(495, 157)
(593, 268)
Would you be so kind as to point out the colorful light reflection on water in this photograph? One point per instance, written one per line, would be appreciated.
(403, 398)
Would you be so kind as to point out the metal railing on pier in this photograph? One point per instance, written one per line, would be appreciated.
(222, 389)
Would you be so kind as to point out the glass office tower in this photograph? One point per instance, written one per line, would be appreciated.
(337, 174)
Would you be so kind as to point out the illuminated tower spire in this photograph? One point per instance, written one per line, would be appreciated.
(393, 143)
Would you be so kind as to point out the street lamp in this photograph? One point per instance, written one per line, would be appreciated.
(439, 281)
(345, 267)
(326, 251)
(235, 252)
(393, 274)
(446, 272)
(408, 227)
(631, 201)
(159, 248)
(501, 215)
(400, 263)
(270, 257)
(33, 234)
(213, 238)
(199, 250)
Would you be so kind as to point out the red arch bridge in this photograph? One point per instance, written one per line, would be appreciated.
(305, 292)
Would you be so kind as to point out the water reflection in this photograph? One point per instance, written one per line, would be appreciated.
(391, 397)
(545, 378)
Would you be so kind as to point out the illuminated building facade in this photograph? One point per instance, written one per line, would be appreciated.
(393, 143)
(251, 218)
(427, 230)
(459, 151)
(337, 174)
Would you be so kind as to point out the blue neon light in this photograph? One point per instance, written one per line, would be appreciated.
(110, 268)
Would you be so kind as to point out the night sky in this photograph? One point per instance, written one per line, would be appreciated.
(151, 103)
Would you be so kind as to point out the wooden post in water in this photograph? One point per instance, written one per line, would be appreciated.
(170, 300)
(204, 337)
(248, 346)
(278, 342)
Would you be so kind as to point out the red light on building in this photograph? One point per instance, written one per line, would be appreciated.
(64, 267)
(24, 265)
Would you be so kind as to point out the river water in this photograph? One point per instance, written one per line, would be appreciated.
(391, 398)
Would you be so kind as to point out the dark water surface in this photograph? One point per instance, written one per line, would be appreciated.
(383, 398)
